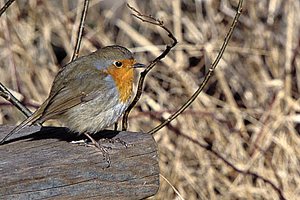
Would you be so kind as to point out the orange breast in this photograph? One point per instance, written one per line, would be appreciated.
(123, 78)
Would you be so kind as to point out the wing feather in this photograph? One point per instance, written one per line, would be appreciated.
(74, 84)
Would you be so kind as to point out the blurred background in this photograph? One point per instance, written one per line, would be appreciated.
(248, 112)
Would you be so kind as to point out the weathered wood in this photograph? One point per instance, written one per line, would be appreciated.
(36, 164)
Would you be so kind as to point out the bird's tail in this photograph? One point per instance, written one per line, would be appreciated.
(32, 119)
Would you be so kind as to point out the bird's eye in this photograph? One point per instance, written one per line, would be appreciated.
(118, 64)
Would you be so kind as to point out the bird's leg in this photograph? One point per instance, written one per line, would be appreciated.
(100, 147)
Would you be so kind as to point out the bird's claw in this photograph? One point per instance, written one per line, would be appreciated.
(116, 140)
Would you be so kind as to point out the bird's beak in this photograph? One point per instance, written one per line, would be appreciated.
(139, 65)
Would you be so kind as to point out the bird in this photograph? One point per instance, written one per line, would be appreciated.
(90, 93)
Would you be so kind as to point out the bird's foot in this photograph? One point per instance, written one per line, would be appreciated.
(115, 140)
(104, 150)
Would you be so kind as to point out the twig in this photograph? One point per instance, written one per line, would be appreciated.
(80, 30)
(9, 97)
(6, 6)
(209, 148)
(172, 186)
(4, 92)
(157, 22)
(207, 76)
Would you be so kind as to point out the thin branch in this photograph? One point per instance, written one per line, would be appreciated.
(4, 92)
(80, 30)
(172, 186)
(157, 22)
(209, 148)
(207, 76)
(6, 6)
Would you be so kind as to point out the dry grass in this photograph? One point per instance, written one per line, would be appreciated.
(248, 111)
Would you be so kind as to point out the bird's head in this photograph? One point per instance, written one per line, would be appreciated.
(118, 62)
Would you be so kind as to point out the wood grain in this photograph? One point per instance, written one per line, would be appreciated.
(42, 163)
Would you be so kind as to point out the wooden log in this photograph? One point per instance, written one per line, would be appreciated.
(41, 163)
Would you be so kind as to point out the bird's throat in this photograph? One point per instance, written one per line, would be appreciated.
(124, 81)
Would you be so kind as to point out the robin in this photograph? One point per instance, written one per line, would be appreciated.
(90, 93)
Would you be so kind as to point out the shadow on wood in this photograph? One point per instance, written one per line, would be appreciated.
(37, 164)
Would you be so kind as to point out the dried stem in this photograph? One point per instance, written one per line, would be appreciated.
(4, 92)
(209, 148)
(9, 97)
(6, 6)
(80, 30)
(157, 22)
(207, 76)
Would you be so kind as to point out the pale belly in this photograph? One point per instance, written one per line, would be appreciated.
(93, 116)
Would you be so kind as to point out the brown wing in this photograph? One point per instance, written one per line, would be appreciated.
(74, 84)
(52, 107)
(73, 92)
(60, 103)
